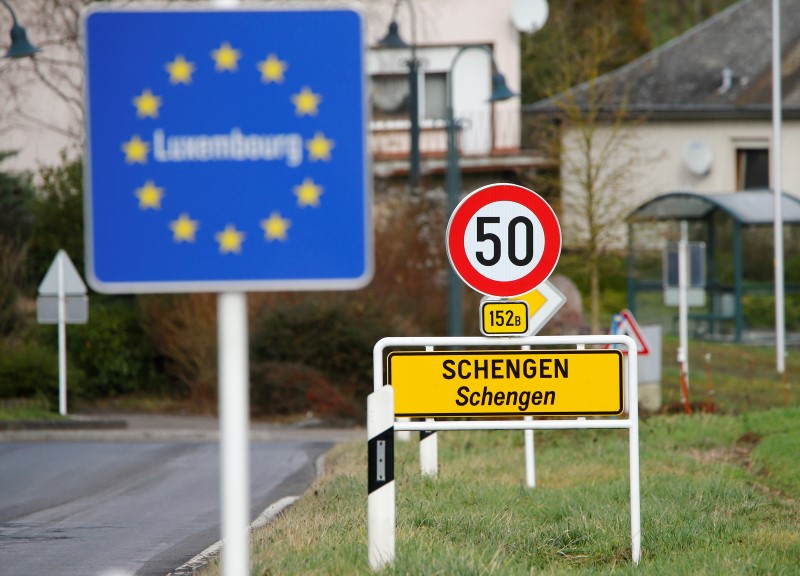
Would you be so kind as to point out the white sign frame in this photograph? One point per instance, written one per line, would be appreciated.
(380, 409)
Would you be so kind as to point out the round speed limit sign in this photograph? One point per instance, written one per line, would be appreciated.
(503, 240)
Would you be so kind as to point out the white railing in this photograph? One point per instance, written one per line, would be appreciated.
(482, 133)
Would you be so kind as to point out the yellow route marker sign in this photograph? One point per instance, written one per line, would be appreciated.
(504, 317)
(507, 383)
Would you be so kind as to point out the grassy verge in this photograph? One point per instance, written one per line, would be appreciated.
(735, 378)
(719, 496)
(26, 410)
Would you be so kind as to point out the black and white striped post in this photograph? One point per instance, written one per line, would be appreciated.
(381, 486)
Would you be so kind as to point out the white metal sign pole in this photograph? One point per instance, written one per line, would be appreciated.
(632, 380)
(777, 167)
(530, 457)
(234, 409)
(530, 451)
(429, 452)
(428, 447)
(683, 310)
(62, 339)
(234, 428)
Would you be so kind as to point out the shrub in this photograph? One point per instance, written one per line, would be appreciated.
(183, 327)
(31, 371)
(335, 338)
(411, 267)
(57, 216)
(613, 278)
(289, 388)
(112, 351)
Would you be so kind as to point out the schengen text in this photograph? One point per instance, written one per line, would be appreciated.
(233, 146)
(522, 400)
(500, 369)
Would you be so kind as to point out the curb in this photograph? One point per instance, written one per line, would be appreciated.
(268, 515)
(206, 556)
(75, 424)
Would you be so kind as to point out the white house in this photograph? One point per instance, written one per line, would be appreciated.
(490, 133)
(40, 102)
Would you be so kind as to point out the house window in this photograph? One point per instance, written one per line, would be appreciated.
(389, 95)
(752, 168)
(435, 95)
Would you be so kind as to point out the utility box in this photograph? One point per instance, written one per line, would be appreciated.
(650, 369)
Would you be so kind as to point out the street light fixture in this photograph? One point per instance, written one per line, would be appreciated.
(500, 91)
(20, 46)
(394, 40)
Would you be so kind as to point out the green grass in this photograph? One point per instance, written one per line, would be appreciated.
(737, 379)
(28, 413)
(719, 496)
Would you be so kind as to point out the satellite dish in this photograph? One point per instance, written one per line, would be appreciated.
(529, 15)
(697, 157)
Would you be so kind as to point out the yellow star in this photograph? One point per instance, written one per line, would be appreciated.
(150, 196)
(230, 240)
(308, 193)
(319, 147)
(306, 102)
(147, 104)
(226, 58)
(180, 71)
(184, 228)
(272, 69)
(136, 150)
(275, 227)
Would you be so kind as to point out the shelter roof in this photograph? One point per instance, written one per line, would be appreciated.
(750, 207)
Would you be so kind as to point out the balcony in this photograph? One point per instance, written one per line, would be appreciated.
(488, 140)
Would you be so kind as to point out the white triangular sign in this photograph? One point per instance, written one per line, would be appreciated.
(73, 283)
(628, 326)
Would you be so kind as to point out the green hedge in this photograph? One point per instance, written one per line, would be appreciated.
(31, 371)
(289, 389)
(334, 338)
(112, 351)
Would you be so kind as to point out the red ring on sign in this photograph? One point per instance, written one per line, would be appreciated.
(456, 230)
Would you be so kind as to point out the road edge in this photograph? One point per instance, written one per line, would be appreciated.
(205, 557)
(268, 515)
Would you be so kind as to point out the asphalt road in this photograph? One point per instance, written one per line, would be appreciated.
(114, 508)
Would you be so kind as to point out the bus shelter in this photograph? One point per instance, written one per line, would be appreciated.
(736, 232)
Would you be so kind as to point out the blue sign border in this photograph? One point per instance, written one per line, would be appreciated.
(132, 238)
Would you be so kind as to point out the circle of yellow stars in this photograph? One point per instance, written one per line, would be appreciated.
(226, 60)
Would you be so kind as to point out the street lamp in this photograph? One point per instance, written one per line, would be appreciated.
(393, 40)
(500, 91)
(20, 47)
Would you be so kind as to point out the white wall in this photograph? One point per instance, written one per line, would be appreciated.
(667, 141)
(652, 159)
(453, 23)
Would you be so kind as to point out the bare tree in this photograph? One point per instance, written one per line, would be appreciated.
(46, 92)
(593, 140)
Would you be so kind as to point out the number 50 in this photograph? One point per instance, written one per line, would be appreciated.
(511, 235)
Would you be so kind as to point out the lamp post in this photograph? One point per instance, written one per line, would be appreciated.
(20, 46)
(393, 40)
(500, 91)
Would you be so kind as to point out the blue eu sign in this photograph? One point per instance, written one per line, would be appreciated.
(226, 150)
